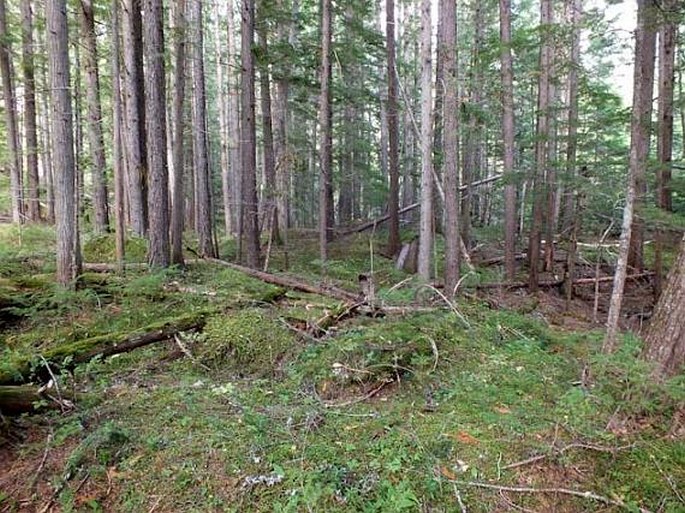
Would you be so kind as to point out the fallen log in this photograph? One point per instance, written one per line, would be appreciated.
(290, 283)
(84, 350)
(559, 283)
(382, 219)
(15, 400)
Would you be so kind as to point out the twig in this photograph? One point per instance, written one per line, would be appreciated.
(591, 447)
(668, 479)
(36, 475)
(513, 505)
(457, 494)
(54, 380)
(358, 399)
(186, 351)
(399, 285)
(434, 347)
(450, 304)
(561, 491)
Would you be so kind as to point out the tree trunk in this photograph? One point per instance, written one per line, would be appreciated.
(647, 48)
(325, 149)
(639, 149)
(542, 133)
(203, 200)
(30, 112)
(393, 133)
(16, 189)
(66, 207)
(665, 340)
(508, 137)
(234, 116)
(223, 87)
(426, 214)
(451, 142)
(155, 124)
(248, 139)
(96, 140)
(134, 105)
(667, 42)
(118, 153)
(269, 206)
(177, 120)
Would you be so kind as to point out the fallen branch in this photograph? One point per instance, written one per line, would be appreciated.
(591, 447)
(84, 350)
(560, 491)
(357, 400)
(382, 219)
(559, 283)
(15, 400)
(290, 283)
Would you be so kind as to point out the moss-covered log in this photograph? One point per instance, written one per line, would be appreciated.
(15, 400)
(81, 351)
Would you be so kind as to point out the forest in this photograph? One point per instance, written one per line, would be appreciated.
(378, 256)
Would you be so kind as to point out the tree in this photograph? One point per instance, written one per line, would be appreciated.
(640, 123)
(96, 141)
(30, 111)
(134, 106)
(325, 131)
(426, 213)
(177, 135)
(203, 221)
(118, 150)
(665, 340)
(66, 207)
(11, 119)
(248, 139)
(508, 138)
(451, 140)
(542, 136)
(155, 125)
(393, 132)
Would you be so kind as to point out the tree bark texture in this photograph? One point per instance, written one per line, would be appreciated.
(248, 139)
(426, 213)
(325, 132)
(203, 195)
(177, 119)
(508, 138)
(16, 188)
(94, 120)
(118, 150)
(66, 206)
(393, 133)
(639, 149)
(155, 124)
(665, 340)
(30, 132)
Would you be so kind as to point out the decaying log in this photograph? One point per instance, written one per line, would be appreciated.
(559, 283)
(291, 283)
(84, 350)
(15, 400)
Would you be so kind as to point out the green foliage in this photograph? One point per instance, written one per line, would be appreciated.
(102, 248)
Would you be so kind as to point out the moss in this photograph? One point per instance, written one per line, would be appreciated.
(102, 248)
(249, 340)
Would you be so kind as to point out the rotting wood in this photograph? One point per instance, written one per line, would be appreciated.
(15, 400)
(84, 350)
(290, 283)
(559, 283)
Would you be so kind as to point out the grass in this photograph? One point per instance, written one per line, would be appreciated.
(380, 415)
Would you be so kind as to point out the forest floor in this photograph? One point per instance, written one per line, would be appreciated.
(288, 401)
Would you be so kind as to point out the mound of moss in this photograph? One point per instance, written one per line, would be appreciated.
(248, 341)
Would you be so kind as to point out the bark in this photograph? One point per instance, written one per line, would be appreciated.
(30, 132)
(96, 140)
(47, 141)
(248, 139)
(451, 144)
(667, 42)
(646, 46)
(393, 133)
(155, 125)
(234, 116)
(117, 151)
(224, 144)
(66, 207)
(16, 189)
(508, 138)
(426, 214)
(177, 119)
(134, 105)
(84, 350)
(325, 132)
(542, 135)
(269, 208)
(665, 340)
(639, 149)
(203, 201)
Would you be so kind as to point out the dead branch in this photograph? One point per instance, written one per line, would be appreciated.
(559, 283)
(560, 491)
(591, 447)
